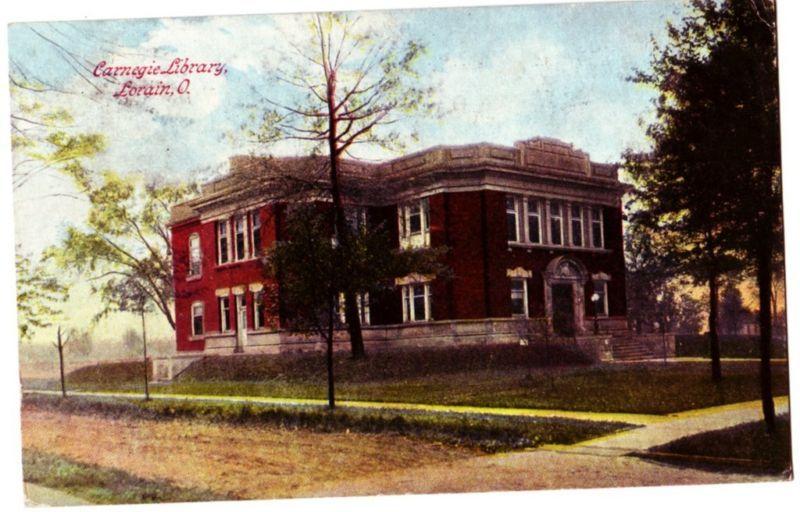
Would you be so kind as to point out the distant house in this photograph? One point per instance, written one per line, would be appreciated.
(533, 230)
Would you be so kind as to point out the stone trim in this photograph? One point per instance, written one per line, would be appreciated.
(519, 272)
(413, 279)
(222, 292)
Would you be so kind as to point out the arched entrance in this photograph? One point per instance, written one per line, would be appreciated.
(564, 280)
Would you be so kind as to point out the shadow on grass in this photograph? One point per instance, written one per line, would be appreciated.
(746, 448)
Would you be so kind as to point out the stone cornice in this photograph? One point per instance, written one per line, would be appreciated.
(538, 166)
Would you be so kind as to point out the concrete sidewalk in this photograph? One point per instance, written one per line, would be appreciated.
(601, 462)
(677, 426)
(633, 419)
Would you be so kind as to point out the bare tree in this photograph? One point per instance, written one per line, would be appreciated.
(348, 85)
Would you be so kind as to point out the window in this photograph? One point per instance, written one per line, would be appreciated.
(576, 224)
(519, 296)
(197, 319)
(224, 314)
(414, 224)
(512, 218)
(556, 223)
(597, 226)
(255, 225)
(534, 221)
(416, 302)
(362, 300)
(195, 257)
(601, 289)
(240, 224)
(223, 247)
(259, 310)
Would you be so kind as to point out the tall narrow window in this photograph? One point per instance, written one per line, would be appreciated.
(195, 257)
(534, 221)
(576, 225)
(416, 302)
(223, 246)
(597, 226)
(512, 218)
(519, 296)
(224, 314)
(362, 301)
(259, 310)
(414, 219)
(240, 224)
(414, 224)
(197, 319)
(601, 289)
(556, 223)
(255, 226)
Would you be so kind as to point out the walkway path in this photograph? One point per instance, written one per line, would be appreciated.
(596, 463)
(634, 419)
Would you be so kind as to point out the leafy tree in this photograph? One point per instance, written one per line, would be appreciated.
(41, 135)
(131, 341)
(348, 85)
(39, 293)
(732, 310)
(312, 271)
(687, 314)
(80, 342)
(713, 177)
(125, 238)
(131, 295)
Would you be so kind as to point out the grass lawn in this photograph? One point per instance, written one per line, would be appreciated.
(747, 447)
(486, 433)
(103, 485)
(494, 376)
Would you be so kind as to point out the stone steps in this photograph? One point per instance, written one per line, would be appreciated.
(628, 349)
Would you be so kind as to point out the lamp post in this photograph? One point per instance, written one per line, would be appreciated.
(595, 302)
(663, 324)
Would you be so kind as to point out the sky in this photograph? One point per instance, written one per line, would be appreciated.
(500, 74)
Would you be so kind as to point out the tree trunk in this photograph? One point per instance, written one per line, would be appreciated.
(764, 279)
(144, 350)
(60, 347)
(713, 335)
(329, 354)
(352, 317)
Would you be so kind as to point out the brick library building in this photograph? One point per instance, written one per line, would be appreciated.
(532, 231)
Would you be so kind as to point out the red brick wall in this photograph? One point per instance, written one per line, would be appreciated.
(212, 277)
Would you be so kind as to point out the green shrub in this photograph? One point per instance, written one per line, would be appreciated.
(737, 346)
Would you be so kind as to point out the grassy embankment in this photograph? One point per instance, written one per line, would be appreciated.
(103, 485)
(492, 376)
(487, 433)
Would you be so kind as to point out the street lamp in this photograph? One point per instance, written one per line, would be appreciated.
(595, 302)
(663, 315)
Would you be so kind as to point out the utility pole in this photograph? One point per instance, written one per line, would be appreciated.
(144, 345)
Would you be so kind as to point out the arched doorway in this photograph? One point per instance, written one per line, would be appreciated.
(564, 280)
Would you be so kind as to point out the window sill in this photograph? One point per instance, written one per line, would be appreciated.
(524, 245)
(235, 263)
(194, 278)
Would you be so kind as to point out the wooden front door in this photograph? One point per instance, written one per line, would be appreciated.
(563, 310)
